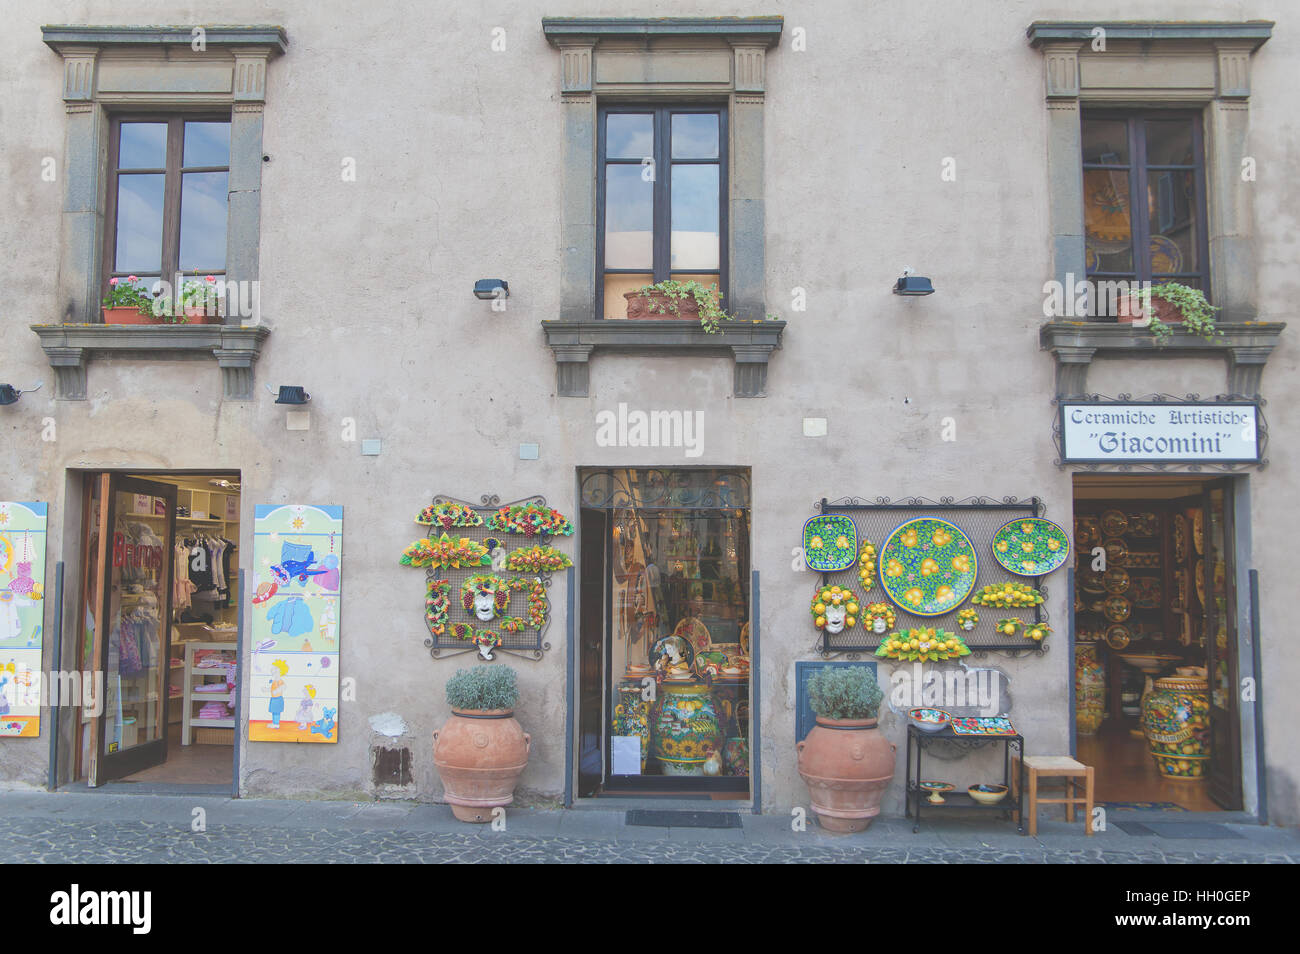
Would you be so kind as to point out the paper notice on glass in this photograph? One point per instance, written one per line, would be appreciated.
(626, 754)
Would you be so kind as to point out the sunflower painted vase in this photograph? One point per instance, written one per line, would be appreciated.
(632, 715)
(1176, 722)
(686, 728)
(1089, 689)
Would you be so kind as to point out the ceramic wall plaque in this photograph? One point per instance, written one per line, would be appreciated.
(1031, 546)
(22, 607)
(928, 566)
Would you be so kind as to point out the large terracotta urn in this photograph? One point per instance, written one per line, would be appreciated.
(846, 764)
(480, 754)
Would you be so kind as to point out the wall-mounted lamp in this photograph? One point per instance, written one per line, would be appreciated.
(911, 284)
(490, 289)
(290, 394)
(10, 394)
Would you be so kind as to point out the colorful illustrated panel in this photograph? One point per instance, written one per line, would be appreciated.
(294, 623)
(1031, 546)
(928, 566)
(22, 610)
(830, 543)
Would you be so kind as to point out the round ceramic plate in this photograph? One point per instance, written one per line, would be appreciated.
(1116, 552)
(1117, 609)
(830, 543)
(927, 566)
(1031, 546)
(1118, 637)
(1114, 523)
(1086, 530)
(1116, 580)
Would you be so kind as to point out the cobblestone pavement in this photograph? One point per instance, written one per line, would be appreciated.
(77, 828)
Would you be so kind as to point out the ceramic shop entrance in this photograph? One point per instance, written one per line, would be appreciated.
(1156, 640)
(664, 651)
(157, 597)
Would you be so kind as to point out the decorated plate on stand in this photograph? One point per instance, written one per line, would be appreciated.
(927, 566)
(830, 543)
(1031, 546)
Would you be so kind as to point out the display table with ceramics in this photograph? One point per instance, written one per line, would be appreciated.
(918, 794)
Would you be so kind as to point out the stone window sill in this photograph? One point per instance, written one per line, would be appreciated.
(1246, 346)
(750, 344)
(69, 347)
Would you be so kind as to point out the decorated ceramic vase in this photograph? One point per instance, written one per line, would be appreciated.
(632, 715)
(1176, 722)
(735, 756)
(686, 730)
(1089, 689)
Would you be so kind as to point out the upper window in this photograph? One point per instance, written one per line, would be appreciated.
(1144, 198)
(661, 200)
(167, 199)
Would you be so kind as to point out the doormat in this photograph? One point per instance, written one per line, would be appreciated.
(1142, 806)
(661, 819)
(1177, 829)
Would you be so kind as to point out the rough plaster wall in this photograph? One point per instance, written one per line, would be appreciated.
(458, 150)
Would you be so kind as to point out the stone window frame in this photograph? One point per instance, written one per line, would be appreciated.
(114, 69)
(666, 60)
(1189, 65)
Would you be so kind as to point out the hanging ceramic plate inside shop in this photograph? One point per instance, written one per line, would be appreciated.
(830, 543)
(1090, 581)
(1200, 581)
(1114, 523)
(1180, 538)
(1144, 524)
(1118, 637)
(1198, 531)
(1116, 552)
(927, 566)
(1146, 592)
(1116, 580)
(1117, 609)
(1031, 546)
(1086, 531)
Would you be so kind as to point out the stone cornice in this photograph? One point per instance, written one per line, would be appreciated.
(69, 346)
(61, 36)
(763, 30)
(749, 343)
(1074, 344)
(1252, 32)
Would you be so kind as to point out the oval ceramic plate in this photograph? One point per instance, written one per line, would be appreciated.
(830, 543)
(1180, 538)
(927, 566)
(1031, 546)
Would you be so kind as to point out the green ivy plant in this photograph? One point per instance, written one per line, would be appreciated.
(706, 298)
(483, 687)
(844, 692)
(1197, 312)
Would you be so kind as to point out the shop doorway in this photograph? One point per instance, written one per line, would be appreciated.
(663, 662)
(158, 601)
(1155, 635)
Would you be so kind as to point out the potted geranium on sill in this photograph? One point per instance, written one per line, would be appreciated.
(674, 300)
(200, 302)
(1166, 304)
(128, 303)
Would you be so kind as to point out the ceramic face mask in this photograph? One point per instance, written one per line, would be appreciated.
(484, 606)
(878, 625)
(835, 618)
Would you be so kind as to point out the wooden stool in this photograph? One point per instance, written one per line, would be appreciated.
(1055, 766)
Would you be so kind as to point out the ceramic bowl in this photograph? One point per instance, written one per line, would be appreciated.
(929, 720)
(988, 794)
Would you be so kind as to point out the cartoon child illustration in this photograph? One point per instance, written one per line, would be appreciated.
(307, 707)
(6, 672)
(329, 621)
(485, 596)
(276, 705)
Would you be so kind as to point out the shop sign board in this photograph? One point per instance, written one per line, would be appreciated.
(1160, 432)
(294, 630)
(22, 609)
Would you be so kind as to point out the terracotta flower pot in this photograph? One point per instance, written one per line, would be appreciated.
(1128, 311)
(658, 306)
(128, 315)
(480, 755)
(846, 764)
(200, 316)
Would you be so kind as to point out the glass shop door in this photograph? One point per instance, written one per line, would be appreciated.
(133, 567)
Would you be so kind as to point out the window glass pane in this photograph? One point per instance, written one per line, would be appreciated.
(616, 286)
(629, 218)
(695, 195)
(629, 136)
(695, 135)
(1107, 221)
(1171, 199)
(203, 221)
(142, 146)
(1169, 142)
(207, 144)
(1105, 141)
(139, 223)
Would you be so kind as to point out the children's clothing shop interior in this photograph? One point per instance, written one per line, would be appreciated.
(1155, 641)
(159, 597)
